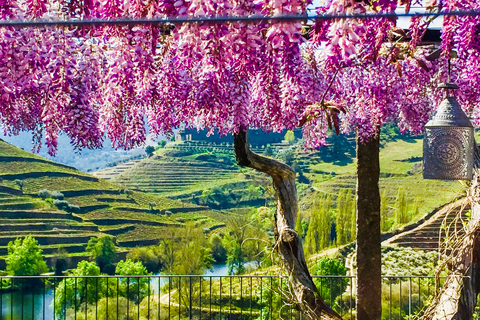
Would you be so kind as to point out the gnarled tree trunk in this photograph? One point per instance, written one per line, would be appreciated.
(369, 282)
(289, 244)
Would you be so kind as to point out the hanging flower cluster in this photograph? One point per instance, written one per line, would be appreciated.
(116, 81)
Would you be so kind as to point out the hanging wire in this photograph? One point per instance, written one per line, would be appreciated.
(225, 19)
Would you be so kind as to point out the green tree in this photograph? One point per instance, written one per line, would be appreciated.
(342, 217)
(353, 216)
(149, 150)
(78, 291)
(187, 255)
(268, 150)
(311, 239)
(44, 193)
(401, 207)
(60, 261)
(20, 184)
(134, 289)
(319, 228)
(219, 252)
(128, 192)
(299, 228)
(385, 225)
(104, 253)
(330, 288)
(152, 205)
(289, 136)
(325, 223)
(149, 256)
(25, 259)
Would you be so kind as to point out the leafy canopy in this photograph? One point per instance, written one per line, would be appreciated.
(25, 258)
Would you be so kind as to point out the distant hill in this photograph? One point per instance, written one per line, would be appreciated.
(135, 219)
(85, 160)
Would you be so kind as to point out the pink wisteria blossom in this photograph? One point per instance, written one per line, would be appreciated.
(115, 81)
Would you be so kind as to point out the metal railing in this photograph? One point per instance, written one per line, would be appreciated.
(192, 297)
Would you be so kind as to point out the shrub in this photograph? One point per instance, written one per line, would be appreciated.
(44, 193)
(128, 192)
(330, 288)
(60, 204)
(57, 195)
(152, 205)
(20, 183)
(72, 208)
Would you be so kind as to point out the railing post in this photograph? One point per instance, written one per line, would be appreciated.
(190, 298)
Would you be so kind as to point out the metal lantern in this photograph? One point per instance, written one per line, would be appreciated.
(448, 143)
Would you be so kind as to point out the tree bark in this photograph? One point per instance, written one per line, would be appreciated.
(458, 297)
(369, 283)
(288, 243)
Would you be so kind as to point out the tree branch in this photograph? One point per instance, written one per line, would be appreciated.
(289, 244)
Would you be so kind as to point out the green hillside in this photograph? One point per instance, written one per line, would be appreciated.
(195, 171)
(132, 218)
(400, 167)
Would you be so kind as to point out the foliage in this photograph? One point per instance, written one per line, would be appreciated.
(150, 257)
(320, 226)
(60, 261)
(72, 292)
(82, 291)
(20, 183)
(106, 309)
(330, 288)
(401, 207)
(188, 255)
(151, 205)
(386, 221)
(289, 136)
(57, 195)
(60, 204)
(268, 150)
(103, 251)
(149, 150)
(286, 155)
(219, 252)
(25, 258)
(345, 217)
(44, 193)
(162, 143)
(128, 192)
(406, 261)
(134, 289)
(71, 208)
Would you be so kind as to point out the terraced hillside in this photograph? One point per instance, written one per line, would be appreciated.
(175, 171)
(400, 166)
(133, 219)
(429, 234)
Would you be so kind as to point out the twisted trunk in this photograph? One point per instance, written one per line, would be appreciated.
(288, 244)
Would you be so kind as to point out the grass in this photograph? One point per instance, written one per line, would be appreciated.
(397, 158)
